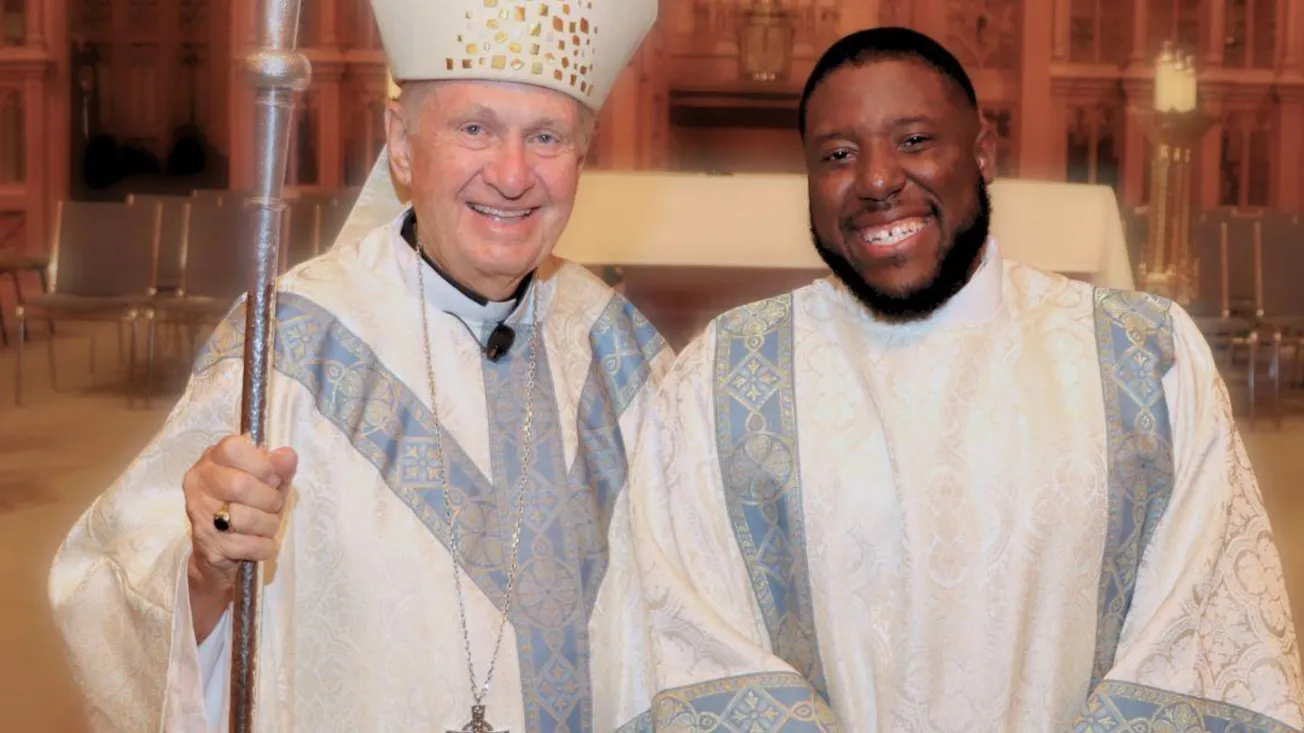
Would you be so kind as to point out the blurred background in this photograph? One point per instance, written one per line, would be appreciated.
(1156, 144)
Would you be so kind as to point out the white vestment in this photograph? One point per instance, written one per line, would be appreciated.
(360, 629)
(1030, 512)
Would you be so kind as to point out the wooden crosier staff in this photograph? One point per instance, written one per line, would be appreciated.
(277, 73)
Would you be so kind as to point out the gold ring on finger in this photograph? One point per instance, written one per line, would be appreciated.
(222, 517)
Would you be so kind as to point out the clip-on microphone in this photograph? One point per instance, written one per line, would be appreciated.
(500, 342)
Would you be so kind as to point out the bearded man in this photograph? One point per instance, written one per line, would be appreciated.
(943, 491)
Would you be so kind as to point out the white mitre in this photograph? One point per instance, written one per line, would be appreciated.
(578, 48)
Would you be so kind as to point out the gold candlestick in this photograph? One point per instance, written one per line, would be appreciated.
(1175, 126)
(1167, 267)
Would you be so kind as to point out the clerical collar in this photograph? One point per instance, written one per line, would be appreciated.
(450, 296)
(980, 298)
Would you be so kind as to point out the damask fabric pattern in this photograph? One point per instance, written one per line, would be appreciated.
(938, 469)
(756, 426)
(1120, 707)
(360, 632)
(1134, 339)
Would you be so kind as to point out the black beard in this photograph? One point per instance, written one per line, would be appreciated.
(953, 272)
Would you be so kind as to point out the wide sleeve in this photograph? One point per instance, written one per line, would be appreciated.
(1208, 642)
(118, 585)
(713, 667)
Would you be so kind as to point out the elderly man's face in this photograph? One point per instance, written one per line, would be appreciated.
(492, 169)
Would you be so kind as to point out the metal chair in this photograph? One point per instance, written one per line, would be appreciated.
(103, 267)
(15, 263)
(214, 274)
(172, 232)
(1282, 305)
(1228, 262)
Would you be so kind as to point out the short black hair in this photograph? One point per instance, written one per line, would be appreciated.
(885, 43)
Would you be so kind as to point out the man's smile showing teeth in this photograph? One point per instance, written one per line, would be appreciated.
(892, 234)
(502, 214)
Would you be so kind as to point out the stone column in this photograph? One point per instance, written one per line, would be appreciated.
(1140, 55)
(1060, 50)
(653, 101)
(1216, 33)
(1137, 96)
(326, 79)
(35, 30)
(168, 70)
(1208, 182)
(56, 114)
(1290, 145)
(1041, 119)
(620, 122)
(241, 107)
(38, 138)
(1293, 58)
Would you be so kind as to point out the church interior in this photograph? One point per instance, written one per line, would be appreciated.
(1147, 144)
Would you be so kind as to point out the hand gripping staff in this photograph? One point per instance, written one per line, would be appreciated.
(277, 73)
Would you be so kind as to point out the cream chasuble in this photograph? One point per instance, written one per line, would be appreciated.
(360, 628)
(1030, 513)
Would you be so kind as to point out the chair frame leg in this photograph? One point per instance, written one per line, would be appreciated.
(54, 357)
(150, 330)
(133, 318)
(45, 288)
(1275, 373)
(21, 316)
(1251, 372)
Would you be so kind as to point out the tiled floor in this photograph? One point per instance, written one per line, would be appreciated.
(62, 449)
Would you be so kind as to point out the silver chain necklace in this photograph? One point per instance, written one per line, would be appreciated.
(478, 723)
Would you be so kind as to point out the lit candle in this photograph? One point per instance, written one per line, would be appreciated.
(1160, 63)
(1164, 79)
(1191, 101)
(1178, 101)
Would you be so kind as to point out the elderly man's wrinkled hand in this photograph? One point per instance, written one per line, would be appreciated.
(235, 496)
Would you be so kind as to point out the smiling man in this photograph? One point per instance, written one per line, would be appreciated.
(443, 523)
(940, 490)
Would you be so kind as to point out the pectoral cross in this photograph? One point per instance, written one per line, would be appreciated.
(478, 724)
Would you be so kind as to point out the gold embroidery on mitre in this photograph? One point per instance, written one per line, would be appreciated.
(509, 33)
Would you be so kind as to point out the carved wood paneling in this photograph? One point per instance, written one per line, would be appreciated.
(1094, 140)
(1251, 34)
(142, 18)
(301, 165)
(13, 22)
(1100, 31)
(714, 27)
(895, 12)
(13, 137)
(90, 18)
(1000, 119)
(195, 17)
(1246, 163)
(1180, 21)
(363, 112)
(357, 26)
(985, 34)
